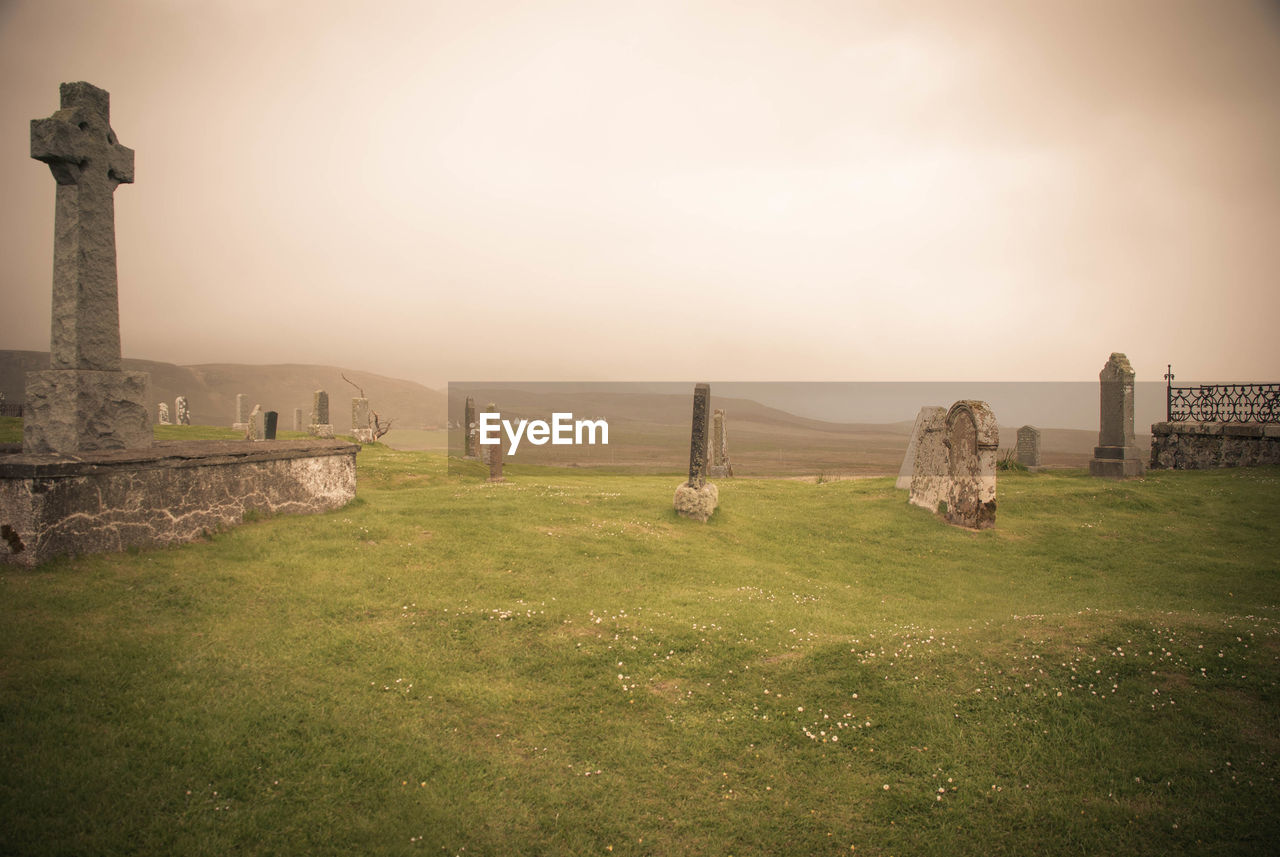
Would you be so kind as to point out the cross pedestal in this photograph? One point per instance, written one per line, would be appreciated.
(84, 402)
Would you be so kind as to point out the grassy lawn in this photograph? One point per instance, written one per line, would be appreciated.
(560, 665)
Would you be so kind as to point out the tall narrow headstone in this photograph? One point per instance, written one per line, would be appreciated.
(1116, 455)
(1028, 450)
(84, 401)
(181, 413)
(495, 461)
(718, 464)
(297, 419)
(242, 413)
(486, 449)
(697, 498)
(320, 425)
(360, 426)
(162, 414)
(470, 430)
(253, 429)
(269, 422)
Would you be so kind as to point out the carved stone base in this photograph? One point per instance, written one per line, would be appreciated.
(70, 411)
(1116, 462)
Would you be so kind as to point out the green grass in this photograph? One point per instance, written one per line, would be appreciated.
(560, 665)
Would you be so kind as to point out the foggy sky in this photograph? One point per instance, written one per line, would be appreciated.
(803, 191)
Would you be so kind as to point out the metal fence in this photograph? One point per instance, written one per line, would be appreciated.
(1223, 403)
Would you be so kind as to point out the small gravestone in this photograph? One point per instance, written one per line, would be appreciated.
(269, 421)
(85, 401)
(242, 413)
(1116, 456)
(470, 429)
(697, 498)
(929, 462)
(360, 427)
(181, 413)
(718, 455)
(253, 431)
(162, 414)
(297, 419)
(972, 441)
(320, 425)
(1028, 450)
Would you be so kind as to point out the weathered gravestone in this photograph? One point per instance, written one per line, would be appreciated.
(360, 426)
(269, 422)
(1116, 455)
(297, 419)
(495, 459)
(254, 430)
(973, 438)
(486, 449)
(181, 413)
(242, 413)
(84, 401)
(320, 425)
(1028, 450)
(928, 455)
(470, 430)
(697, 498)
(718, 464)
(162, 414)
(954, 469)
(907, 469)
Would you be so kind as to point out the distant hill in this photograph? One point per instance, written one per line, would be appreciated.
(211, 390)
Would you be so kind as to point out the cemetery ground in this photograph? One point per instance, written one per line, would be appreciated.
(560, 665)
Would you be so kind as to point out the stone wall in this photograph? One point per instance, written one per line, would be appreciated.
(57, 505)
(1200, 446)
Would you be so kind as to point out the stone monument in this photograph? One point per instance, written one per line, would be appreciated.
(486, 449)
(320, 425)
(162, 414)
(697, 498)
(1116, 455)
(928, 485)
(972, 440)
(718, 464)
(495, 461)
(1028, 450)
(269, 422)
(913, 444)
(89, 478)
(254, 430)
(242, 413)
(181, 413)
(297, 419)
(360, 424)
(85, 401)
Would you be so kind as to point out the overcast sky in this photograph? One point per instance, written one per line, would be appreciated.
(670, 191)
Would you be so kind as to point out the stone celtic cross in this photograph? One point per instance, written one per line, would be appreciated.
(88, 164)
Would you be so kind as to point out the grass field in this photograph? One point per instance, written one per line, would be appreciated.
(560, 665)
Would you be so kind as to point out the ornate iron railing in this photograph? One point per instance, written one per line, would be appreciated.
(1222, 403)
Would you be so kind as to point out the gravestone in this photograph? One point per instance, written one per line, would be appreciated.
(242, 413)
(718, 455)
(1028, 450)
(972, 441)
(269, 421)
(697, 498)
(162, 414)
(85, 401)
(495, 460)
(297, 419)
(254, 429)
(320, 425)
(181, 413)
(928, 485)
(913, 443)
(1116, 456)
(360, 420)
(471, 430)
